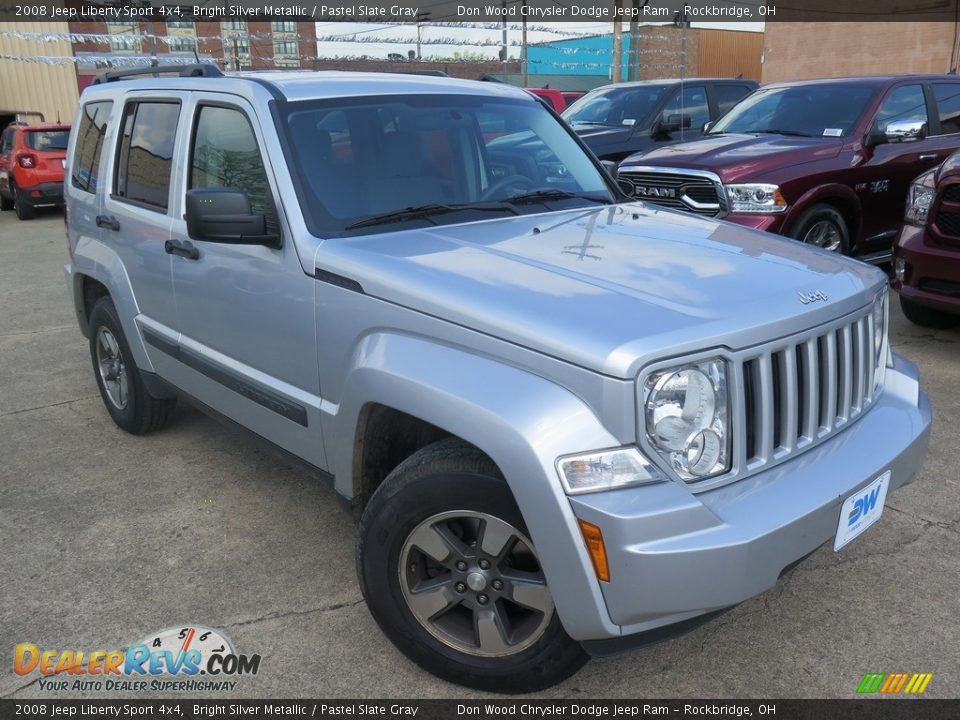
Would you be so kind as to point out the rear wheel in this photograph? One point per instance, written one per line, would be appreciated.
(21, 204)
(450, 575)
(824, 227)
(926, 316)
(124, 394)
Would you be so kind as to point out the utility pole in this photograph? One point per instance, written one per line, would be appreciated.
(523, 47)
(633, 73)
(615, 76)
(503, 48)
(421, 17)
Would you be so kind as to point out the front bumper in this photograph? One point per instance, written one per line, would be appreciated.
(675, 555)
(933, 270)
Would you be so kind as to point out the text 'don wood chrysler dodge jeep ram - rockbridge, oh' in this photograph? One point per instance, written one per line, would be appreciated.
(566, 421)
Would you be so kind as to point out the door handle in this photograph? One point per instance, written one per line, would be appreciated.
(928, 156)
(183, 249)
(109, 222)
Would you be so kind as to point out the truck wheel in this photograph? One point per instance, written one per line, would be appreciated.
(22, 206)
(451, 576)
(823, 227)
(926, 316)
(125, 396)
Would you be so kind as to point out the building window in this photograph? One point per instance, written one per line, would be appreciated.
(123, 37)
(181, 24)
(285, 53)
(286, 27)
(183, 44)
(234, 26)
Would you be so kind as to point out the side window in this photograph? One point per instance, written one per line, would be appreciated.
(729, 95)
(904, 104)
(85, 170)
(146, 153)
(691, 102)
(948, 106)
(225, 154)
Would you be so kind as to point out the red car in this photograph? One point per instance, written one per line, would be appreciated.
(32, 158)
(559, 100)
(926, 255)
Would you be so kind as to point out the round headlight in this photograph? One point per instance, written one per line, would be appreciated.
(686, 418)
(682, 404)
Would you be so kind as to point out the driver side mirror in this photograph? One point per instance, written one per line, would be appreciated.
(223, 215)
(898, 131)
(670, 123)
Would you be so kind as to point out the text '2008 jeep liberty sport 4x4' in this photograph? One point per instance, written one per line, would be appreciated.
(564, 420)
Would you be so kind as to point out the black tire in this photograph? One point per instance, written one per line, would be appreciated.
(822, 216)
(448, 476)
(927, 317)
(21, 205)
(139, 412)
(5, 202)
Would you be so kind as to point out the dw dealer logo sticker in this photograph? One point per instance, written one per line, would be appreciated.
(169, 660)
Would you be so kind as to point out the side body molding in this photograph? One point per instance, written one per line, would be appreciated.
(522, 421)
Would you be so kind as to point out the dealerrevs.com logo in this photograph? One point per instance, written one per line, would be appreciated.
(189, 659)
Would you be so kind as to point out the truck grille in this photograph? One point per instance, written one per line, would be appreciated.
(692, 193)
(804, 389)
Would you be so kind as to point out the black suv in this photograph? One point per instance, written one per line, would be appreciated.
(617, 120)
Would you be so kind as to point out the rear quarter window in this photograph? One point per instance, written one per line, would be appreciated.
(85, 168)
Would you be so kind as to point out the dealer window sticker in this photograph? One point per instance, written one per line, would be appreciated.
(833, 132)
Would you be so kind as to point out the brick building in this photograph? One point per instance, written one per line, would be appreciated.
(801, 50)
(232, 44)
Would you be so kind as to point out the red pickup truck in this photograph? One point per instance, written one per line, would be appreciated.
(559, 100)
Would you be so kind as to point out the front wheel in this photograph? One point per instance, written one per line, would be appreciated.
(823, 227)
(451, 576)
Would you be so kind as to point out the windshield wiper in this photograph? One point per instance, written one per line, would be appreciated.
(424, 212)
(553, 194)
(792, 133)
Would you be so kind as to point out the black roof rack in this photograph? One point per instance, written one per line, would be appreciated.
(192, 70)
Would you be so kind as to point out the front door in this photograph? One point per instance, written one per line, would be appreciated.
(245, 313)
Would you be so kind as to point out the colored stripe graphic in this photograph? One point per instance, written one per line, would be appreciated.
(894, 683)
(871, 682)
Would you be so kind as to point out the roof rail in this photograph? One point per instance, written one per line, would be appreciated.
(192, 70)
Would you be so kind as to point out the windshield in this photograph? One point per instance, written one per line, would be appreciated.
(803, 110)
(614, 106)
(386, 163)
(47, 139)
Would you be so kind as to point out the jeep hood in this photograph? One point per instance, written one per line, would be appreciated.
(609, 288)
(739, 157)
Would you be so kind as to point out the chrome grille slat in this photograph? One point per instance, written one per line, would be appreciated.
(803, 389)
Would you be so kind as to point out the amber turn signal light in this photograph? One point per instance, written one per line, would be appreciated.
(598, 551)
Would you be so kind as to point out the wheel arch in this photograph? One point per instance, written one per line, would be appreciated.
(840, 197)
(521, 421)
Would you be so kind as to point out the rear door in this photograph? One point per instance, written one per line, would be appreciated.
(247, 342)
(137, 211)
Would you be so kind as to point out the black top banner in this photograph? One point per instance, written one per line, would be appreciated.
(457, 11)
(880, 709)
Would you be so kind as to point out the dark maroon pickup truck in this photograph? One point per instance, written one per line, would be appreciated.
(926, 255)
(827, 162)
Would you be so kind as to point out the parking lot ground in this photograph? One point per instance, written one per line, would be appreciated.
(107, 538)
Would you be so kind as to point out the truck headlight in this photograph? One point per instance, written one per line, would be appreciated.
(606, 470)
(919, 199)
(755, 198)
(881, 319)
(688, 418)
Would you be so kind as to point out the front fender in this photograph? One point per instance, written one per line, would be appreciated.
(828, 192)
(522, 421)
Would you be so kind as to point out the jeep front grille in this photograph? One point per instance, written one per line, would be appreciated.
(802, 390)
(692, 191)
